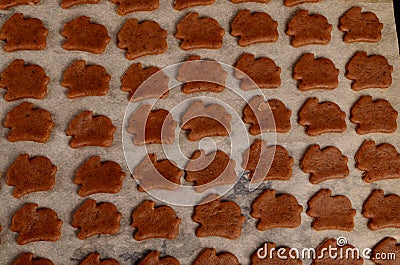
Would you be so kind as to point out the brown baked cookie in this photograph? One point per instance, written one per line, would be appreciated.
(94, 218)
(70, 3)
(319, 118)
(153, 258)
(142, 39)
(155, 222)
(199, 33)
(83, 80)
(29, 175)
(210, 170)
(195, 69)
(387, 245)
(152, 126)
(83, 35)
(182, 4)
(323, 257)
(157, 174)
(273, 258)
(35, 224)
(152, 82)
(24, 81)
(315, 73)
(291, 3)
(251, 28)
(219, 218)
(324, 164)
(95, 176)
(257, 73)
(130, 6)
(6, 4)
(373, 71)
(360, 26)
(94, 259)
(27, 123)
(276, 211)
(373, 116)
(21, 33)
(383, 211)
(209, 256)
(206, 121)
(89, 130)
(28, 259)
(379, 162)
(308, 29)
(331, 212)
(257, 159)
(266, 116)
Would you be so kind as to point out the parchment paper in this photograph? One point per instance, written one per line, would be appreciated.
(64, 199)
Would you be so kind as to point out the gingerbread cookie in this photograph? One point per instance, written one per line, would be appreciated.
(27, 123)
(155, 222)
(83, 35)
(144, 82)
(6, 4)
(373, 71)
(199, 33)
(324, 164)
(331, 212)
(206, 121)
(182, 4)
(94, 259)
(142, 39)
(201, 75)
(324, 258)
(153, 258)
(276, 211)
(95, 176)
(308, 29)
(257, 73)
(29, 175)
(291, 3)
(94, 218)
(315, 73)
(219, 218)
(157, 174)
(210, 256)
(243, 26)
(70, 3)
(35, 224)
(273, 258)
(383, 211)
(21, 33)
(379, 162)
(129, 6)
(152, 126)
(360, 26)
(372, 116)
(319, 118)
(262, 166)
(266, 116)
(387, 245)
(24, 81)
(89, 130)
(28, 259)
(83, 80)
(210, 170)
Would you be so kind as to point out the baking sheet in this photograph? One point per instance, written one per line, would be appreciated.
(64, 199)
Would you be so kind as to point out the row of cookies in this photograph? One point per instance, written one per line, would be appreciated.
(126, 6)
(384, 251)
(216, 217)
(194, 32)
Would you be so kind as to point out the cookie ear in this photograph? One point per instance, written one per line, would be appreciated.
(210, 256)
(154, 258)
(94, 259)
(183, 4)
(65, 4)
(291, 3)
